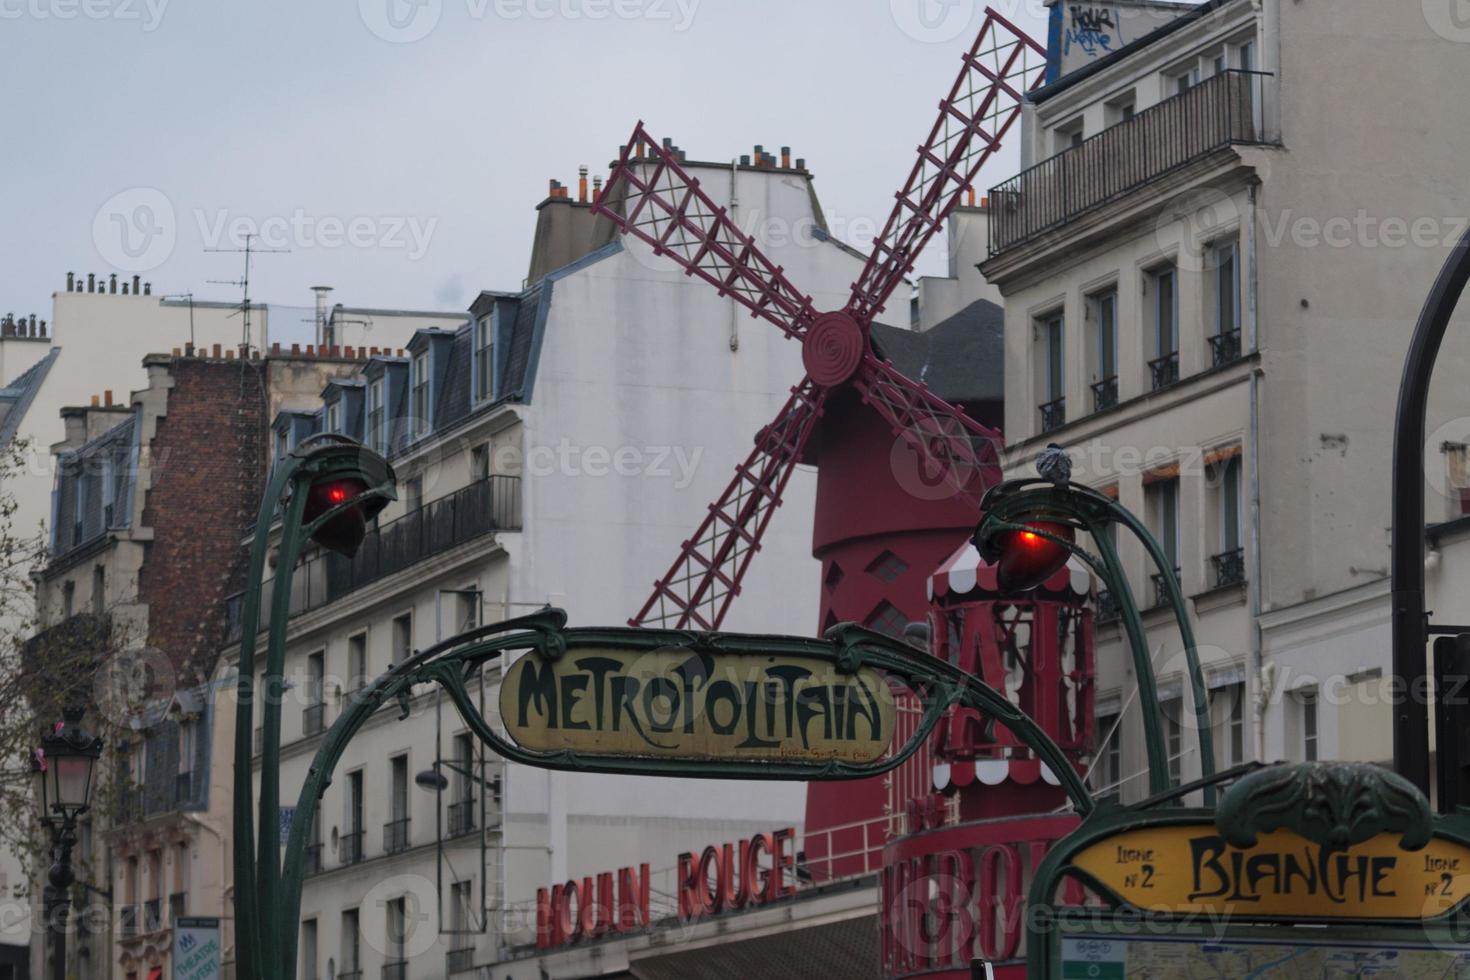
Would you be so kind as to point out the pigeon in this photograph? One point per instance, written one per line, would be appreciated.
(1054, 464)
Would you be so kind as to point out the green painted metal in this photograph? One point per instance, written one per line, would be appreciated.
(1007, 506)
(268, 890)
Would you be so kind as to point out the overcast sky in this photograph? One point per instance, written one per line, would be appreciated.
(399, 147)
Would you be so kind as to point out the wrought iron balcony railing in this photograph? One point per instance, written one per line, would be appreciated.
(1220, 111)
(491, 504)
(460, 960)
(462, 817)
(1105, 394)
(1053, 414)
(1105, 607)
(314, 719)
(153, 915)
(1164, 370)
(128, 921)
(349, 847)
(1224, 347)
(1229, 567)
(395, 835)
(1161, 592)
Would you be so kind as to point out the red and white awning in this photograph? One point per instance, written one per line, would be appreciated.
(992, 772)
(966, 575)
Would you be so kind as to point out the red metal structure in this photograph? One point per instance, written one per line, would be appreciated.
(651, 197)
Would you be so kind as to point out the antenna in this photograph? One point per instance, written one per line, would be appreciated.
(244, 281)
(190, 298)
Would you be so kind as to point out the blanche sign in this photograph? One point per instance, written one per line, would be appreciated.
(678, 703)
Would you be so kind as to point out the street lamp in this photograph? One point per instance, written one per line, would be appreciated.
(62, 769)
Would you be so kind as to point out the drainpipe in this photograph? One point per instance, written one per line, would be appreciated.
(735, 217)
(1256, 674)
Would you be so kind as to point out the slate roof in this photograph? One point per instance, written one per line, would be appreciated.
(17, 396)
(961, 359)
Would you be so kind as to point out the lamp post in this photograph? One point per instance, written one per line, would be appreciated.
(327, 489)
(62, 769)
(1029, 529)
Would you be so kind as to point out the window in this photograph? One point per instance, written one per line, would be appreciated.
(334, 417)
(351, 951)
(99, 590)
(1184, 80)
(402, 638)
(68, 598)
(1173, 736)
(313, 718)
(1245, 56)
(887, 567)
(485, 358)
(1120, 109)
(1069, 135)
(357, 664)
(1225, 285)
(888, 619)
(283, 442)
(1307, 713)
(466, 610)
(350, 841)
(1163, 306)
(308, 950)
(480, 462)
(462, 921)
(1052, 337)
(1161, 506)
(1102, 310)
(396, 932)
(1108, 767)
(377, 435)
(395, 831)
(419, 385)
(1228, 706)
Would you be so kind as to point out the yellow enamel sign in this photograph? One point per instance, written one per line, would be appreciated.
(684, 704)
(1186, 869)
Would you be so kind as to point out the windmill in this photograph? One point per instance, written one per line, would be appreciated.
(651, 197)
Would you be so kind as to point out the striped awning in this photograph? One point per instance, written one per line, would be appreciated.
(966, 575)
(992, 772)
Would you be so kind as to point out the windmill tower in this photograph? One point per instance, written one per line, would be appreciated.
(900, 470)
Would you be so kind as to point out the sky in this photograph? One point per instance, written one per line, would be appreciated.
(398, 148)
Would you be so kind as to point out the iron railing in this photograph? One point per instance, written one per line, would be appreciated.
(1229, 567)
(128, 921)
(1220, 111)
(1224, 347)
(153, 915)
(491, 504)
(395, 836)
(1161, 590)
(349, 975)
(461, 818)
(1053, 414)
(128, 805)
(395, 969)
(1164, 370)
(1105, 394)
(349, 847)
(314, 719)
(1105, 607)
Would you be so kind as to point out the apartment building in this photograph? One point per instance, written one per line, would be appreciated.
(1209, 285)
(556, 449)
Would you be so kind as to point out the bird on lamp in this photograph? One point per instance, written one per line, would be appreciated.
(1055, 465)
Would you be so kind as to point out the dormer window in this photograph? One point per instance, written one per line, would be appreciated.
(377, 432)
(419, 386)
(485, 358)
(334, 417)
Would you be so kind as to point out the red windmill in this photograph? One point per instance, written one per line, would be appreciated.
(650, 196)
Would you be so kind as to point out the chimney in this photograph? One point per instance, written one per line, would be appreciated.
(216, 352)
(107, 397)
(597, 188)
(801, 163)
(582, 184)
(321, 311)
(785, 158)
(33, 325)
(125, 287)
(71, 281)
(970, 196)
(135, 285)
(42, 328)
(96, 402)
(147, 289)
(91, 282)
(112, 284)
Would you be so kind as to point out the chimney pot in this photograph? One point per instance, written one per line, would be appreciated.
(112, 283)
(96, 402)
(125, 287)
(42, 328)
(348, 351)
(276, 347)
(135, 285)
(71, 281)
(91, 282)
(176, 352)
(582, 184)
(295, 348)
(147, 289)
(801, 163)
(107, 397)
(230, 354)
(785, 158)
(985, 201)
(216, 352)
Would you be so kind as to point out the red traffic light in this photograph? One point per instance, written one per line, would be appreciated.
(343, 533)
(1028, 559)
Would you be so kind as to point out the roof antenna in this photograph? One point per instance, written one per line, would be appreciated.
(244, 284)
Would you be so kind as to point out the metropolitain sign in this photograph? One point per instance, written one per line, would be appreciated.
(695, 704)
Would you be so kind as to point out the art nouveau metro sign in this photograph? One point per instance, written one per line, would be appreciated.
(677, 702)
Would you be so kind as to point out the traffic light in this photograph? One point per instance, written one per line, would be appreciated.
(1027, 559)
(343, 533)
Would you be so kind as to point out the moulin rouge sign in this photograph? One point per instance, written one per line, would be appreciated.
(724, 878)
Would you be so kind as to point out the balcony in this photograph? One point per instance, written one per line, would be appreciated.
(128, 805)
(1105, 394)
(1220, 111)
(395, 970)
(1105, 607)
(1224, 348)
(492, 504)
(127, 921)
(349, 847)
(1229, 567)
(314, 719)
(153, 915)
(1161, 589)
(462, 818)
(395, 836)
(177, 903)
(1053, 414)
(1164, 370)
(461, 960)
(349, 975)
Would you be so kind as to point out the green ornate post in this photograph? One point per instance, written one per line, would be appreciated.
(1009, 506)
